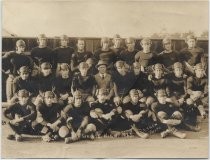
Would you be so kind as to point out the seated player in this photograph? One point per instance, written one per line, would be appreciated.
(63, 84)
(178, 83)
(21, 114)
(76, 116)
(122, 79)
(48, 120)
(91, 65)
(24, 81)
(83, 82)
(168, 114)
(46, 78)
(139, 116)
(104, 79)
(197, 89)
(102, 112)
(158, 79)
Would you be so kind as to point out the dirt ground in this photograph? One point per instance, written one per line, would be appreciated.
(194, 146)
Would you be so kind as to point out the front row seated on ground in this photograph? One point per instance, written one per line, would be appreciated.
(81, 119)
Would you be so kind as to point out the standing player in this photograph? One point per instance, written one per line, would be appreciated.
(63, 53)
(128, 55)
(117, 46)
(192, 54)
(42, 53)
(105, 53)
(12, 61)
(169, 56)
(145, 57)
(80, 55)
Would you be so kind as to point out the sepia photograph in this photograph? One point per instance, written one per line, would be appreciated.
(104, 79)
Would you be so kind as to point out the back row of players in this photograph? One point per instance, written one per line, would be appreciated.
(118, 88)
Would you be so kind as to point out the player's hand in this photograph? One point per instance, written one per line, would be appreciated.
(117, 101)
(64, 96)
(107, 116)
(119, 110)
(150, 77)
(143, 100)
(70, 100)
(53, 126)
(93, 115)
(189, 101)
(181, 100)
(135, 118)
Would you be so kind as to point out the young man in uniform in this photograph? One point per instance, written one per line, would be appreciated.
(76, 115)
(63, 84)
(168, 114)
(46, 78)
(102, 112)
(21, 114)
(191, 55)
(83, 82)
(80, 55)
(197, 89)
(145, 57)
(63, 53)
(48, 119)
(169, 56)
(42, 53)
(177, 83)
(128, 55)
(12, 61)
(117, 46)
(122, 79)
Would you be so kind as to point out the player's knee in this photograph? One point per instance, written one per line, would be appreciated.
(161, 115)
(150, 100)
(177, 115)
(189, 101)
(90, 99)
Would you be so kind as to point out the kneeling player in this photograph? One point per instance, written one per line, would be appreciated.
(21, 114)
(168, 114)
(77, 124)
